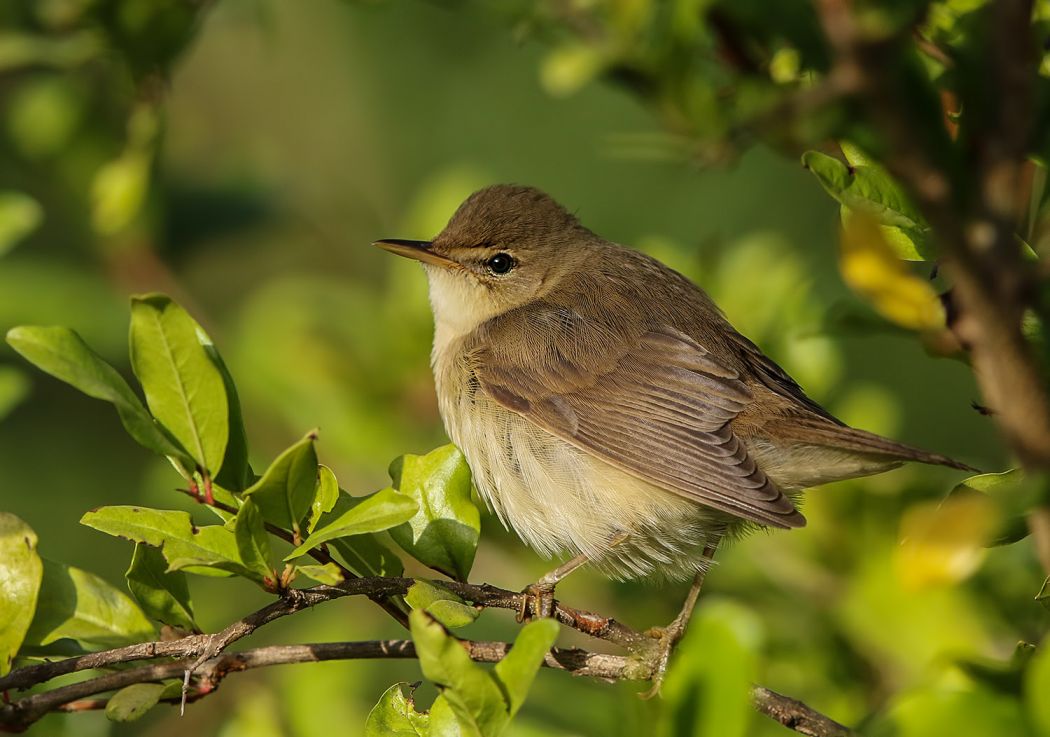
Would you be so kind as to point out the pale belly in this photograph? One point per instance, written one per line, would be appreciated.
(562, 501)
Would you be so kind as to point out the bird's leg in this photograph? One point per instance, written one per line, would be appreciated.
(539, 596)
(669, 636)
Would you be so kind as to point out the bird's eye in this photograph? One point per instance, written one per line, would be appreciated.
(501, 263)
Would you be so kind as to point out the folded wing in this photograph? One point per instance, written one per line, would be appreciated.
(661, 410)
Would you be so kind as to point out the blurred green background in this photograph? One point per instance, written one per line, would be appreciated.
(292, 135)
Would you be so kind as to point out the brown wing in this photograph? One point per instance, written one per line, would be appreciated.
(661, 410)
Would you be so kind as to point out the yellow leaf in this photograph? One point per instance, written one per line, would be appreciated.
(944, 543)
(870, 267)
(118, 192)
(119, 189)
(565, 70)
(785, 66)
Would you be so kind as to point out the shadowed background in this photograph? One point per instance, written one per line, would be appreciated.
(294, 134)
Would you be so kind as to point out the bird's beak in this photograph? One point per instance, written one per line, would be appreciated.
(418, 250)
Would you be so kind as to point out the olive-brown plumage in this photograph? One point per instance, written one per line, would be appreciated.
(605, 404)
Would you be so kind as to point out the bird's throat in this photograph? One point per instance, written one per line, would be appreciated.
(459, 306)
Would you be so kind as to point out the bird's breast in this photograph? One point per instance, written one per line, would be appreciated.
(559, 498)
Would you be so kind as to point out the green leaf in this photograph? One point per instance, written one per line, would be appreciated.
(119, 190)
(172, 689)
(20, 215)
(163, 596)
(855, 155)
(441, 604)
(20, 572)
(966, 710)
(708, 687)
(472, 692)
(14, 387)
(286, 491)
(518, 669)
(209, 550)
(253, 543)
(226, 497)
(906, 244)
(989, 481)
(445, 723)
(235, 472)
(1004, 676)
(568, 68)
(1007, 489)
(373, 513)
(326, 497)
(366, 556)
(64, 354)
(396, 716)
(1043, 595)
(444, 533)
(131, 702)
(1037, 686)
(866, 188)
(184, 388)
(328, 573)
(363, 553)
(81, 606)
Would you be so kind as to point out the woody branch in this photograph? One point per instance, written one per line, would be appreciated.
(975, 229)
(203, 656)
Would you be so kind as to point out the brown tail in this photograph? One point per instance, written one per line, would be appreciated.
(821, 432)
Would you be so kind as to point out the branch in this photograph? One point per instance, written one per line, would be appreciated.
(795, 715)
(992, 283)
(19, 714)
(22, 713)
(201, 656)
(208, 646)
(320, 554)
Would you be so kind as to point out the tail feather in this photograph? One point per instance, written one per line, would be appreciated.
(818, 431)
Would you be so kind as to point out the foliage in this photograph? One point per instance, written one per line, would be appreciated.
(181, 375)
(443, 534)
(163, 595)
(473, 702)
(23, 570)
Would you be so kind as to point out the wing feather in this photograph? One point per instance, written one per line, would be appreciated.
(661, 410)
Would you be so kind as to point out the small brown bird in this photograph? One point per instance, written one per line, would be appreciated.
(606, 406)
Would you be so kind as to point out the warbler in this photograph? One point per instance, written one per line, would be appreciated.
(606, 407)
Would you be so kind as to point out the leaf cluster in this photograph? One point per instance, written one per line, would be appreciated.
(191, 416)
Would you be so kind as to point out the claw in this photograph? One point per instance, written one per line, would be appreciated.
(667, 638)
(537, 601)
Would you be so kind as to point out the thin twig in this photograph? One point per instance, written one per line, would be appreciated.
(932, 50)
(795, 715)
(1039, 526)
(22, 713)
(320, 554)
(208, 646)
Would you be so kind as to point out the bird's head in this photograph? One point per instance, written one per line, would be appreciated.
(504, 247)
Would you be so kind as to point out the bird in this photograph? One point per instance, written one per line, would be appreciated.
(608, 410)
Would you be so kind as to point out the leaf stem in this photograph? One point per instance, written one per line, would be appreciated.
(321, 555)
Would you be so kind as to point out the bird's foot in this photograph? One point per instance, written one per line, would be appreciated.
(665, 640)
(537, 601)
